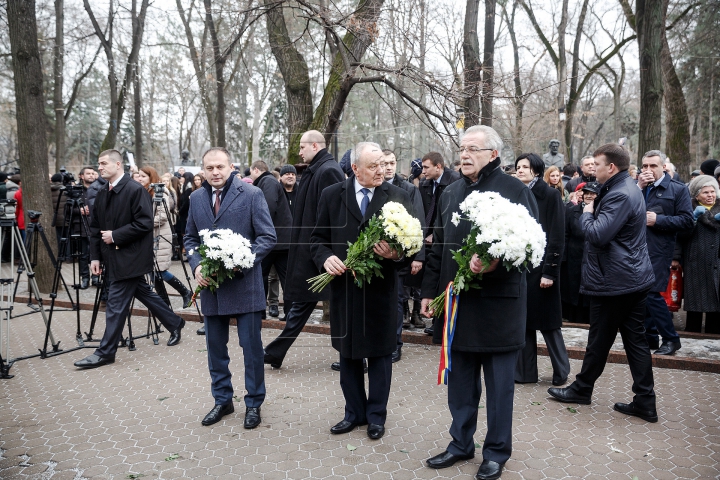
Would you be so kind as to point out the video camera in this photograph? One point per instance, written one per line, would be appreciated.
(159, 189)
(67, 177)
(7, 208)
(34, 216)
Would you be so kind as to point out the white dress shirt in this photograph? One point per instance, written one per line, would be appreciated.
(359, 195)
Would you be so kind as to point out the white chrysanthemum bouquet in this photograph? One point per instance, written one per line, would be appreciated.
(396, 226)
(223, 253)
(500, 229)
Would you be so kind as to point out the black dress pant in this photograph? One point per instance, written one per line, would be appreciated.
(526, 370)
(295, 321)
(120, 295)
(464, 389)
(362, 407)
(278, 258)
(608, 315)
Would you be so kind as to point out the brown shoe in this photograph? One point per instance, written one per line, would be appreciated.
(417, 321)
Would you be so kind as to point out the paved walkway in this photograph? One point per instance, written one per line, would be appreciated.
(140, 418)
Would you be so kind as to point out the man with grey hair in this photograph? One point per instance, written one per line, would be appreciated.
(490, 323)
(669, 212)
(322, 171)
(363, 319)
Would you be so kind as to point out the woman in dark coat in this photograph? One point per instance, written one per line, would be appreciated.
(544, 311)
(697, 250)
(575, 305)
(183, 207)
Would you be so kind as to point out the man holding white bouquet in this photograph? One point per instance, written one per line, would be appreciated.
(363, 313)
(230, 208)
(489, 326)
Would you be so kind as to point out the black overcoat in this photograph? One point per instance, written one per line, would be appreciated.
(572, 260)
(322, 172)
(278, 206)
(127, 211)
(491, 319)
(426, 191)
(409, 279)
(544, 306)
(363, 321)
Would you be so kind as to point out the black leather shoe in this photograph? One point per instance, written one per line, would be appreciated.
(375, 432)
(274, 311)
(93, 361)
(562, 381)
(252, 417)
(631, 409)
(489, 470)
(668, 348)
(344, 427)
(201, 330)
(568, 396)
(176, 334)
(84, 283)
(446, 459)
(335, 366)
(95, 280)
(272, 361)
(217, 413)
(429, 331)
(653, 343)
(397, 355)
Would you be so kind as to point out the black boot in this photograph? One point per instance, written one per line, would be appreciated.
(415, 319)
(181, 289)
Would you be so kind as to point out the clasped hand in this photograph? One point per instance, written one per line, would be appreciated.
(334, 266)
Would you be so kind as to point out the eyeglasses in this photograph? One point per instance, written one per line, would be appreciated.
(472, 150)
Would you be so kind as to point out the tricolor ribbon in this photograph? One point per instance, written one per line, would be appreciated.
(452, 301)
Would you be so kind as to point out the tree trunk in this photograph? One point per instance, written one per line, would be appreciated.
(574, 77)
(649, 17)
(31, 121)
(487, 66)
(677, 124)
(137, 107)
(219, 75)
(58, 104)
(296, 78)
(518, 101)
(472, 74)
(562, 74)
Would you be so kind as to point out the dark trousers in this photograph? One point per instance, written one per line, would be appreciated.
(84, 259)
(526, 370)
(120, 295)
(694, 322)
(464, 389)
(278, 258)
(608, 315)
(659, 320)
(217, 334)
(295, 321)
(402, 298)
(362, 407)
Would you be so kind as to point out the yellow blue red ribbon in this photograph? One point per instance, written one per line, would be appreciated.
(452, 301)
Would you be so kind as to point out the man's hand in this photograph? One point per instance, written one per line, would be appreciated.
(651, 218)
(425, 311)
(107, 236)
(675, 264)
(589, 207)
(645, 179)
(546, 283)
(85, 210)
(334, 266)
(95, 267)
(199, 277)
(428, 239)
(383, 249)
(415, 267)
(477, 266)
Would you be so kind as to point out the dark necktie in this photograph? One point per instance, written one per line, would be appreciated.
(365, 201)
(647, 191)
(217, 201)
(431, 209)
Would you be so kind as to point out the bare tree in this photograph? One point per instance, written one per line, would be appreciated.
(650, 22)
(488, 60)
(472, 73)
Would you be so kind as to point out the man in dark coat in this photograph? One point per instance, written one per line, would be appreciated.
(322, 172)
(490, 326)
(362, 319)
(669, 212)
(121, 236)
(544, 310)
(282, 220)
(587, 167)
(617, 274)
(408, 275)
(288, 179)
(226, 202)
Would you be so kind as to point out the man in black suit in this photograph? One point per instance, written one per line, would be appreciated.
(321, 172)
(121, 235)
(490, 326)
(362, 319)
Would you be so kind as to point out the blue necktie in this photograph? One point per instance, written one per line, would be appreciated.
(365, 201)
(647, 191)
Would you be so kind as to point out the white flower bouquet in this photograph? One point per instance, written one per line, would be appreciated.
(500, 229)
(223, 253)
(395, 225)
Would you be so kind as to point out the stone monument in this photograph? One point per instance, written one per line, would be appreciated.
(553, 157)
(185, 154)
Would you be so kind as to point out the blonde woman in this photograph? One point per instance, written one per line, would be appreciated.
(553, 177)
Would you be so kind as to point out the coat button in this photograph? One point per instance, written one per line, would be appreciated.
(213, 225)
